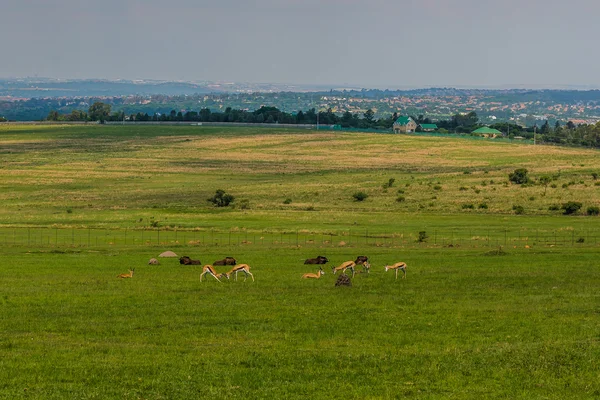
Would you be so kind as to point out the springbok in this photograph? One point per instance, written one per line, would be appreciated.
(343, 267)
(129, 275)
(209, 269)
(396, 267)
(315, 276)
(245, 268)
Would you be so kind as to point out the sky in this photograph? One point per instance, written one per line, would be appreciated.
(364, 43)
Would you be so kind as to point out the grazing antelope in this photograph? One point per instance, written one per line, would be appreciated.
(209, 269)
(343, 267)
(129, 275)
(315, 276)
(396, 267)
(245, 268)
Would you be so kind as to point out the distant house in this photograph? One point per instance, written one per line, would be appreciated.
(487, 132)
(428, 127)
(405, 125)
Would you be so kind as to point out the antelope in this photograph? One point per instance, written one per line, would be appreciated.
(343, 267)
(315, 276)
(396, 267)
(318, 260)
(209, 269)
(129, 275)
(245, 268)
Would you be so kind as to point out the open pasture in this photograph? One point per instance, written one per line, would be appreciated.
(469, 321)
(461, 325)
(136, 176)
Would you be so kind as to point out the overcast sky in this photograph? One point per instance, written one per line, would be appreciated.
(369, 43)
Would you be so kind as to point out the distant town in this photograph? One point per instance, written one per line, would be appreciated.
(33, 99)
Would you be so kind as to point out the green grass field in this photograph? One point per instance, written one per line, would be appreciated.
(466, 323)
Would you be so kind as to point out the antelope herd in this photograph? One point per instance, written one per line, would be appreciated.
(362, 261)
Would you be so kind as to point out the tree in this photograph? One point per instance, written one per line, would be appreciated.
(99, 111)
(53, 115)
(545, 130)
(519, 176)
(221, 199)
(545, 180)
(369, 117)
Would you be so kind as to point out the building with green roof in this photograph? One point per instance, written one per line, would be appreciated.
(405, 125)
(488, 132)
(428, 127)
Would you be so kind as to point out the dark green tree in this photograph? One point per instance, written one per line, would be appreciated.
(99, 111)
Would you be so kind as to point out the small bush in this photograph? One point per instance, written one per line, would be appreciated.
(244, 204)
(310, 208)
(483, 206)
(360, 196)
(477, 191)
(69, 210)
(400, 191)
(554, 207)
(565, 186)
(466, 172)
(595, 175)
(437, 187)
(571, 207)
(287, 201)
(596, 183)
(531, 198)
(463, 188)
(554, 186)
(468, 206)
(518, 209)
(221, 199)
(580, 240)
(593, 210)
(400, 199)
(519, 176)
(422, 237)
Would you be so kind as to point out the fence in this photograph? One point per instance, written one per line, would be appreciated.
(91, 237)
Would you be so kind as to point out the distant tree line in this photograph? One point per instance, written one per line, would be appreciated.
(569, 134)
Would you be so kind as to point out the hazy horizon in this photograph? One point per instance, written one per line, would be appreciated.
(354, 43)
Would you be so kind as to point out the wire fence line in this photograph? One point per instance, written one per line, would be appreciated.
(94, 237)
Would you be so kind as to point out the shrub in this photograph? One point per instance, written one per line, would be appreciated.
(221, 199)
(390, 182)
(580, 240)
(463, 188)
(437, 187)
(593, 210)
(518, 209)
(595, 175)
(466, 172)
(596, 183)
(571, 207)
(519, 176)
(468, 206)
(565, 186)
(532, 198)
(422, 237)
(483, 206)
(287, 201)
(400, 191)
(244, 204)
(360, 196)
(554, 207)
(554, 186)
(69, 210)
(400, 199)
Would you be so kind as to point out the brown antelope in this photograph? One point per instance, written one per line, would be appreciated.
(245, 268)
(315, 276)
(343, 267)
(129, 275)
(209, 269)
(396, 267)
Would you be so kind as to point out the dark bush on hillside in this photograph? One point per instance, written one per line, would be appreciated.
(360, 196)
(519, 176)
(571, 207)
(518, 209)
(221, 199)
(593, 210)
(423, 236)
